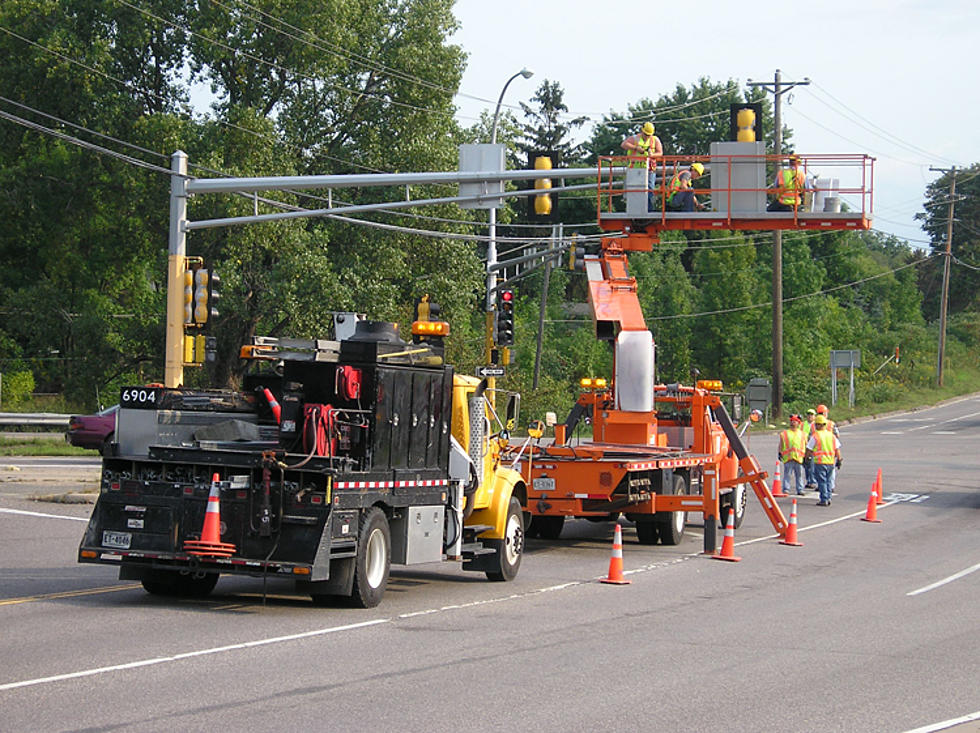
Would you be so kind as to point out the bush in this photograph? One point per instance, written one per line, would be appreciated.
(16, 388)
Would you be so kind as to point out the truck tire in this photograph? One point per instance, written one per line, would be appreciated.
(739, 498)
(510, 549)
(672, 525)
(373, 562)
(647, 531)
(547, 528)
(177, 585)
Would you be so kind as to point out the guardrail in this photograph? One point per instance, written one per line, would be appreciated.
(35, 419)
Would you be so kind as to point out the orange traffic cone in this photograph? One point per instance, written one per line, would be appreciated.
(210, 544)
(728, 544)
(871, 515)
(880, 489)
(616, 561)
(777, 481)
(791, 538)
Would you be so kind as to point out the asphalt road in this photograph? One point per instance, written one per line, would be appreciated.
(867, 627)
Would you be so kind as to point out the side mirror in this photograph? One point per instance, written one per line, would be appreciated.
(512, 413)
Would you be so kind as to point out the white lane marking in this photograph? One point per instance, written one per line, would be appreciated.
(944, 581)
(946, 723)
(944, 432)
(42, 514)
(919, 500)
(892, 432)
(943, 422)
(188, 655)
(812, 526)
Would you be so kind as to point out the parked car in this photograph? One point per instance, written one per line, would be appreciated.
(93, 431)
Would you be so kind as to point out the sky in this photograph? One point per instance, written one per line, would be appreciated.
(895, 80)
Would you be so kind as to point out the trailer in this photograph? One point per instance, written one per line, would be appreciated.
(336, 459)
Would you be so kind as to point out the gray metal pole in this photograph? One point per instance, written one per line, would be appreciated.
(174, 350)
(492, 215)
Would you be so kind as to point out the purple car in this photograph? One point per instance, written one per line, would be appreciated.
(93, 431)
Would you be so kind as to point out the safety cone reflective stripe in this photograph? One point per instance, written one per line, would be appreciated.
(777, 481)
(871, 515)
(728, 544)
(879, 489)
(615, 575)
(791, 538)
(210, 544)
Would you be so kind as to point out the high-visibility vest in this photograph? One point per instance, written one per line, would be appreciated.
(791, 446)
(789, 183)
(638, 156)
(824, 451)
(674, 186)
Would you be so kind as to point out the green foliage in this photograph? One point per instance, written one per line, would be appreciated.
(16, 388)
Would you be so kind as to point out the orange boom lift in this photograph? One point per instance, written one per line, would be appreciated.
(659, 451)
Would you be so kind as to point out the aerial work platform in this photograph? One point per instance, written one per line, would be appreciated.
(735, 191)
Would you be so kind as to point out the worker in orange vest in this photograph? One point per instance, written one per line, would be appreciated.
(790, 185)
(680, 192)
(825, 449)
(792, 449)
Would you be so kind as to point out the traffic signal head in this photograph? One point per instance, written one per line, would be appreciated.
(545, 204)
(505, 318)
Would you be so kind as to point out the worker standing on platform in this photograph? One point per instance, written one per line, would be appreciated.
(641, 149)
(808, 428)
(792, 449)
(680, 191)
(825, 449)
(790, 185)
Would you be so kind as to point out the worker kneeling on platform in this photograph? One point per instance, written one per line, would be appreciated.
(680, 191)
(790, 185)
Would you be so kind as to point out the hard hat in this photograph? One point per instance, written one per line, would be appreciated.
(794, 159)
(821, 409)
(794, 418)
(648, 128)
(697, 168)
(811, 411)
(821, 419)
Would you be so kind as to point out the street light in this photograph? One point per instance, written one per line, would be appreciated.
(492, 245)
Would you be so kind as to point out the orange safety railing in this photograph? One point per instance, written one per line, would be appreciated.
(839, 192)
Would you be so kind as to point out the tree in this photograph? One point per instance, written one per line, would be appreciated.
(964, 282)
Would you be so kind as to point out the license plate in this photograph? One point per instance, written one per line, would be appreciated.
(544, 484)
(117, 540)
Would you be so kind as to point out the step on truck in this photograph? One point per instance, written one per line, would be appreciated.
(336, 459)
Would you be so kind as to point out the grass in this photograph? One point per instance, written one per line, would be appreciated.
(41, 445)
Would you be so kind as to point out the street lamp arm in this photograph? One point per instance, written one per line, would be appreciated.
(527, 74)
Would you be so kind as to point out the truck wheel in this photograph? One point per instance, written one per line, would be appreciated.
(647, 531)
(373, 559)
(739, 499)
(547, 528)
(166, 583)
(510, 549)
(672, 526)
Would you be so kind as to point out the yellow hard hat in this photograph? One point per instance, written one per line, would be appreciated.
(697, 168)
(648, 128)
(821, 419)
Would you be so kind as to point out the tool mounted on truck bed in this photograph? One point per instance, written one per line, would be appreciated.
(336, 459)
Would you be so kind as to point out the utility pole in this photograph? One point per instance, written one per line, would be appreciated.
(944, 300)
(778, 88)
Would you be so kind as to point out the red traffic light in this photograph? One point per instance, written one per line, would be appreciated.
(507, 295)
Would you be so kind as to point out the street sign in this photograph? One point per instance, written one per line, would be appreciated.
(490, 371)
